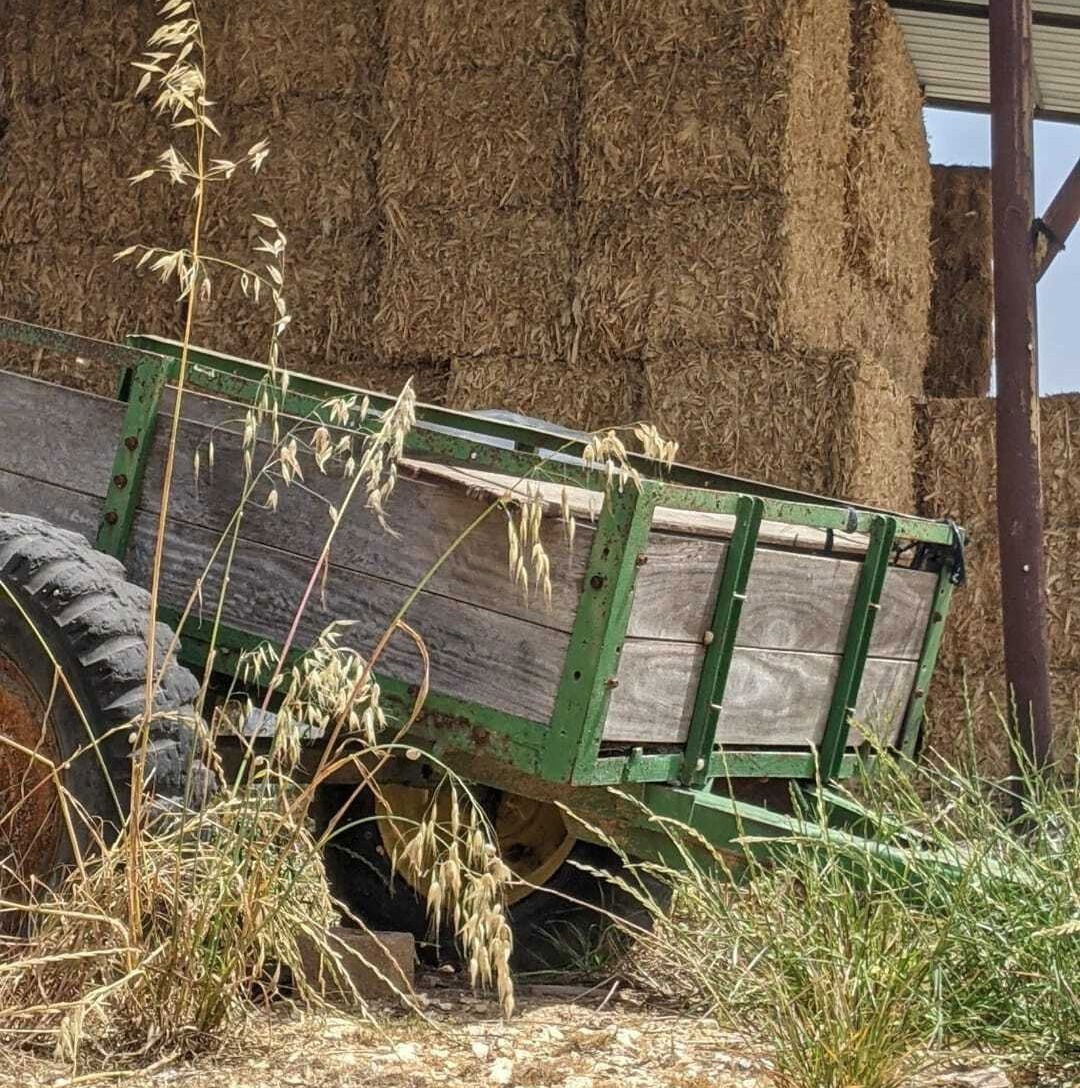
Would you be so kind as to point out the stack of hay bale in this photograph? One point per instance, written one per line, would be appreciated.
(714, 162)
(474, 181)
(962, 306)
(957, 477)
(69, 137)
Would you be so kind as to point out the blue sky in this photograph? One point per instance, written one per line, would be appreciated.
(965, 138)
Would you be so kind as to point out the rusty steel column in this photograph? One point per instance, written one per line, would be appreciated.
(1019, 489)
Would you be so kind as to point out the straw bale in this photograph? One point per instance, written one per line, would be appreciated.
(764, 108)
(978, 696)
(492, 137)
(889, 188)
(828, 422)
(318, 177)
(712, 274)
(329, 291)
(588, 396)
(461, 34)
(58, 187)
(78, 287)
(619, 255)
(483, 283)
(80, 50)
(962, 304)
(957, 477)
(320, 47)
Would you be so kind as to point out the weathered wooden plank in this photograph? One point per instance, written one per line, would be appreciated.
(56, 434)
(794, 601)
(773, 697)
(66, 509)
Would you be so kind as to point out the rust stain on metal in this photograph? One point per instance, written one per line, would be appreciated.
(29, 810)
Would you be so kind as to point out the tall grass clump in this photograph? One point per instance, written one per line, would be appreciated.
(947, 920)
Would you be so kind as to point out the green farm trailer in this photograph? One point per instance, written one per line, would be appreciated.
(710, 645)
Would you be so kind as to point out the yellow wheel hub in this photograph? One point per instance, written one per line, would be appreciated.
(531, 835)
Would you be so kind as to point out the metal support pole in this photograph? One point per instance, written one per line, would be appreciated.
(1057, 224)
(1019, 490)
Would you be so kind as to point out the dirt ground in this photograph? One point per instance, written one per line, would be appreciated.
(561, 1037)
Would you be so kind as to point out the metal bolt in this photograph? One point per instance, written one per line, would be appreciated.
(131, 442)
(920, 692)
(699, 765)
(641, 560)
(707, 638)
(612, 682)
(597, 581)
(1027, 568)
(120, 480)
(111, 517)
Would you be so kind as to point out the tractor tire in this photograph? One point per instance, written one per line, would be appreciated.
(73, 649)
(565, 925)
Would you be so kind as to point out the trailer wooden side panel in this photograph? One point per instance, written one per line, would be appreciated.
(484, 642)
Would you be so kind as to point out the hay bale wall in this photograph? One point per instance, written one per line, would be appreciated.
(889, 199)
(957, 478)
(810, 420)
(962, 305)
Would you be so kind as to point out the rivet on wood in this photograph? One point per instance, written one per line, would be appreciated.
(612, 682)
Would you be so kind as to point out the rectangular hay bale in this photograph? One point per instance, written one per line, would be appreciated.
(712, 274)
(889, 189)
(436, 35)
(587, 396)
(329, 291)
(957, 478)
(962, 304)
(493, 137)
(484, 283)
(56, 187)
(319, 175)
(754, 128)
(815, 421)
(320, 47)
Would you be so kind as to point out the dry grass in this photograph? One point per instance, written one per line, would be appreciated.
(811, 420)
(962, 309)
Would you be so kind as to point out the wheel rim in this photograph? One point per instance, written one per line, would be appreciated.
(30, 819)
(531, 835)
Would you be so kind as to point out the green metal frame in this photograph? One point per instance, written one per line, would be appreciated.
(720, 641)
(856, 644)
(674, 782)
(142, 388)
(590, 673)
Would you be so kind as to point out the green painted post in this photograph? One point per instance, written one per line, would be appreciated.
(935, 629)
(590, 672)
(147, 383)
(720, 641)
(856, 645)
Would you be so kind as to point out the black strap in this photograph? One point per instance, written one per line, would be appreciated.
(958, 575)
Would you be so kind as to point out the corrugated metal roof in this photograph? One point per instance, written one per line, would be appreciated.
(948, 40)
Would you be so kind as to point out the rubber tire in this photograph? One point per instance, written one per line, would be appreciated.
(551, 933)
(94, 623)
